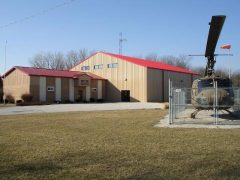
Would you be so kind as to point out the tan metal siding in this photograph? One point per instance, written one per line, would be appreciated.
(50, 95)
(16, 84)
(180, 80)
(154, 85)
(99, 89)
(58, 89)
(104, 89)
(127, 76)
(94, 93)
(34, 88)
(65, 89)
(42, 88)
(71, 90)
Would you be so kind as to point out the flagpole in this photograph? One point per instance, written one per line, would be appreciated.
(228, 46)
(5, 66)
(229, 75)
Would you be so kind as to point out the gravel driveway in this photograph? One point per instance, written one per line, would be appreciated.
(76, 107)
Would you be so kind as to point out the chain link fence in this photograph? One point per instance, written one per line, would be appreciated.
(185, 107)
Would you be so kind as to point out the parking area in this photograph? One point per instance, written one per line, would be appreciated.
(76, 107)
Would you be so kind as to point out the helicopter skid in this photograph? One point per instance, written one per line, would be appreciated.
(194, 114)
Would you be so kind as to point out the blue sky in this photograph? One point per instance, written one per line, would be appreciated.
(165, 27)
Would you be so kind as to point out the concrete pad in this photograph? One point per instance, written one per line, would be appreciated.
(76, 107)
(205, 119)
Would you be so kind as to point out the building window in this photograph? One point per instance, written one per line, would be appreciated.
(84, 68)
(113, 65)
(50, 88)
(98, 66)
(94, 89)
(84, 82)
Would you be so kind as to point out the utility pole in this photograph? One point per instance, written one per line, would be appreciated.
(5, 65)
(121, 40)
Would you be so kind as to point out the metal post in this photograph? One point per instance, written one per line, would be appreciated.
(169, 101)
(216, 102)
(178, 96)
(5, 65)
(229, 75)
(172, 103)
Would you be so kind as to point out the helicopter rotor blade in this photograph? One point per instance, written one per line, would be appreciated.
(213, 55)
(216, 25)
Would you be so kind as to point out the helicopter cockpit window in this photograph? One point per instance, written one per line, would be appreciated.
(208, 83)
(224, 83)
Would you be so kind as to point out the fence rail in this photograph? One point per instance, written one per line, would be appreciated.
(211, 110)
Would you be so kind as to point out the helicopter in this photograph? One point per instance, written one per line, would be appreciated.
(203, 92)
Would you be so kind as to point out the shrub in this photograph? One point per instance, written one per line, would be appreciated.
(68, 102)
(27, 97)
(57, 102)
(19, 102)
(9, 98)
(92, 100)
(1, 97)
(100, 100)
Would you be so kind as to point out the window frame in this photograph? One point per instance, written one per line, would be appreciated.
(112, 65)
(84, 84)
(50, 88)
(98, 66)
(85, 68)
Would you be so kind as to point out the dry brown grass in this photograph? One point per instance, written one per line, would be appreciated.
(6, 105)
(113, 145)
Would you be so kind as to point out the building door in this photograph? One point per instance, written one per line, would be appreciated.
(125, 95)
(80, 95)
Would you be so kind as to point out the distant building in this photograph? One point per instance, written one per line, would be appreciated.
(103, 76)
(1, 90)
(47, 85)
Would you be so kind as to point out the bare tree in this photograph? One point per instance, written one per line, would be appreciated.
(39, 61)
(75, 57)
(182, 61)
(152, 56)
(48, 60)
(221, 72)
(72, 59)
(199, 70)
(58, 60)
(236, 79)
(83, 54)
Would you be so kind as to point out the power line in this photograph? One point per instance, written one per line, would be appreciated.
(45, 11)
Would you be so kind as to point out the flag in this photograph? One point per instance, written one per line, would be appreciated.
(226, 46)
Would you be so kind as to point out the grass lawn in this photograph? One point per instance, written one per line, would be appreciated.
(113, 145)
(6, 105)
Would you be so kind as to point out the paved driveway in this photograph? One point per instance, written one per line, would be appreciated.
(75, 107)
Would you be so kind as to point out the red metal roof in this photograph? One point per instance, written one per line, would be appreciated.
(52, 73)
(151, 64)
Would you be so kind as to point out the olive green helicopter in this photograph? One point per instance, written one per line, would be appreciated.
(204, 95)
